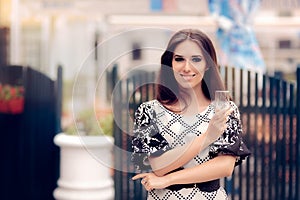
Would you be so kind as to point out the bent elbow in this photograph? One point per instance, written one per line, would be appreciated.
(229, 171)
(229, 166)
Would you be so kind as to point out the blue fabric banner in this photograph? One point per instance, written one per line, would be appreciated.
(156, 5)
(235, 35)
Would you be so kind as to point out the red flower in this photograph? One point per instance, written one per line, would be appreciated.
(16, 106)
(13, 92)
(11, 99)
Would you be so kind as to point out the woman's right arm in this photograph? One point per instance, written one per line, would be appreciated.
(179, 156)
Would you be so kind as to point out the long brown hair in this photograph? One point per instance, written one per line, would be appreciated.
(168, 91)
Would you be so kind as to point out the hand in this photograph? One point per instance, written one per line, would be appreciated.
(150, 181)
(217, 124)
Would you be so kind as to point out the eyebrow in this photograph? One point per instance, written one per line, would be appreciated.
(176, 55)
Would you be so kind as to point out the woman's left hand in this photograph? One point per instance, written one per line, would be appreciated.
(150, 181)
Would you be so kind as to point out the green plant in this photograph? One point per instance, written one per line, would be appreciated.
(106, 124)
(89, 123)
(9, 92)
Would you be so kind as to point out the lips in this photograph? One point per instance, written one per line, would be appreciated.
(187, 77)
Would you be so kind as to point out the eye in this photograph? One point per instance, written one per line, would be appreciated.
(179, 59)
(196, 59)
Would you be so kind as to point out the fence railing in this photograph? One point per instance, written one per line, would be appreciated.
(30, 161)
(269, 110)
(270, 113)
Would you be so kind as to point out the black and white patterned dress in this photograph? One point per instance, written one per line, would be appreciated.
(157, 130)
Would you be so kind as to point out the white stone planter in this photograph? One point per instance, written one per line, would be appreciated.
(84, 168)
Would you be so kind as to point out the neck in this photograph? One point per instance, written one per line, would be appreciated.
(196, 102)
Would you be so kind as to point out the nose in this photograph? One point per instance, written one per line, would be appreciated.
(187, 66)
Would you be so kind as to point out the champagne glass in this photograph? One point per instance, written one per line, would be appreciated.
(221, 102)
(221, 99)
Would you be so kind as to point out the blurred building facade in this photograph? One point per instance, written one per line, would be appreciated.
(46, 33)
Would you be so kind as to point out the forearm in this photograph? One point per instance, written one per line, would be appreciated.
(178, 156)
(219, 167)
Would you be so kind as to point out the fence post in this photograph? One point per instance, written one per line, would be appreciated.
(297, 196)
(59, 90)
(118, 175)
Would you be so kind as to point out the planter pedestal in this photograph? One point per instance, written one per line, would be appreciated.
(84, 168)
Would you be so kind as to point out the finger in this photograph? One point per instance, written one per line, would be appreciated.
(139, 176)
(225, 111)
(229, 111)
(223, 114)
(146, 179)
(148, 188)
(219, 118)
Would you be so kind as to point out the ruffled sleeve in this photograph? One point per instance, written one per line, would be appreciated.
(147, 140)
(232, 142)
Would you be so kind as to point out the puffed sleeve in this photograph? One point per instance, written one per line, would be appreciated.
(231, 143)
(147, 140)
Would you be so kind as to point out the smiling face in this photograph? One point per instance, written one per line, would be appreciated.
(188, 65)
(177, 77)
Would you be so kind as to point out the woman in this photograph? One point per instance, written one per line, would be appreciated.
(177, 135)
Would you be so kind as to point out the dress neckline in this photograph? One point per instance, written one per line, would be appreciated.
(182, 115)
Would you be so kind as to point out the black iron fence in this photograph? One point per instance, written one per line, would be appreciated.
(30, 161)
(270, 112)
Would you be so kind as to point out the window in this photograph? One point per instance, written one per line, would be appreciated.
(136, 51)
(285, 44)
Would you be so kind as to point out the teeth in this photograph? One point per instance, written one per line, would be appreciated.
(188, 77)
